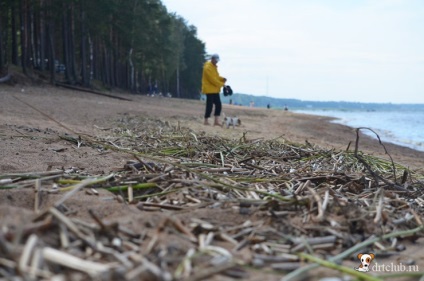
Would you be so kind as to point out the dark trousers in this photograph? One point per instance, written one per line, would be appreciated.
(213, 99)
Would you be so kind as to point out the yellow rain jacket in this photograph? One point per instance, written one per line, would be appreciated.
(211, 81)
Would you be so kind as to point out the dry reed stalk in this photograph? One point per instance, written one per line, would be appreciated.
(37, 195)
(93, 269)
(271, 186)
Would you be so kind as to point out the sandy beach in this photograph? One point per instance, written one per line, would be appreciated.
(34, 120)
(49, 108)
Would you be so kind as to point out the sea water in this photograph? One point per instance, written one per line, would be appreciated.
(405, 128)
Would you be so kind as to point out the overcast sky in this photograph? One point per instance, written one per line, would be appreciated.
(326, 50)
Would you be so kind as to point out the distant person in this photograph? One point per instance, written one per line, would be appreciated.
(286, 108)
(268, 106)
(211, 86)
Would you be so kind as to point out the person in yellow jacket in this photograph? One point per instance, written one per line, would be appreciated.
(211, 86)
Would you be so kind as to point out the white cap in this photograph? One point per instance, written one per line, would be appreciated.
(215, 56)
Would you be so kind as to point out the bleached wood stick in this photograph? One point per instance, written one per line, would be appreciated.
(325, 202)
(130, 194)
(26, 254)
(320, 216)
(379, 208)
(94, 269)
(37, 195)
(146, 265)
(63, 235)
(316, 240)
(71, 226)
(35, 264)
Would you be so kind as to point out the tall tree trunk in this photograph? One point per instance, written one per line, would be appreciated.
(178, 82)
(32, 36)
(140, 85)
(6, 40)
(132, 84)
(93, 58)
(84, 65)
(13, 35)
(2, 47)
(106, 67)
(52, 55)
(24, 41)
(67, 49)
(113, 66)
(113, 57)
(72, 49)
(131, 74)
(42, 37)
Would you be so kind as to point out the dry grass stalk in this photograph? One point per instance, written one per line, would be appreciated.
(93, 269)
(300, 197)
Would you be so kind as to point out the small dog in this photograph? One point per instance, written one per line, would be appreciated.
(231, 121)
(366, 260)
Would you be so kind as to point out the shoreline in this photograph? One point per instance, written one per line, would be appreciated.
(84, 112)
(322, 131)
(31, 133)
(397, 133)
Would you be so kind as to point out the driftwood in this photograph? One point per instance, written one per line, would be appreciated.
(5, 78)
(90, 91)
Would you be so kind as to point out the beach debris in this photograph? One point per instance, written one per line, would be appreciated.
(207, 206)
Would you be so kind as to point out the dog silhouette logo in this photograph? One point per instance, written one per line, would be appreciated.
(366, 260)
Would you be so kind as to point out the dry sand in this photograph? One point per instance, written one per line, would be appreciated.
(32, 118)
(85, 113)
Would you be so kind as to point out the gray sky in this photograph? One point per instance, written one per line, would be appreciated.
(325, 50)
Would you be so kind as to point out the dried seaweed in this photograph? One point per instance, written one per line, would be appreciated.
(296, 201)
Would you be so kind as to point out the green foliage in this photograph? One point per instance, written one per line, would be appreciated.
(134, 43)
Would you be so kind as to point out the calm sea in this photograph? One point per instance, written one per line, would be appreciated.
(404, 128)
